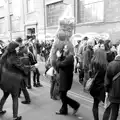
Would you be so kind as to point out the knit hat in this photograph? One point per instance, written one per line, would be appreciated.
(19, 40)
(11, 47)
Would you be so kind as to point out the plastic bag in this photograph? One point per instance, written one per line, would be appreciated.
(50, 72)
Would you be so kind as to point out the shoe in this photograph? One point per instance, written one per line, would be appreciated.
(35, 85)
(25, 102)
(53, 98)
(2, 112)
(29, 87)
(76, 110)
(39, 85)
(18, 118)
(61, 113)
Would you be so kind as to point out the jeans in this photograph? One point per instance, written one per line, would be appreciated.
(24, 90)
(29, 79)
(95, 109)
(15, 103)
(67, 101)
(111, 111)
(52, 86)
(36, 74)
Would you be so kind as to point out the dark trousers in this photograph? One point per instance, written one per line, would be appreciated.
(15, 103)
(111, 112)
(67, 101)
(52, 86)
(95, 109)
(29, 79)
(24, 90)
(36, 75)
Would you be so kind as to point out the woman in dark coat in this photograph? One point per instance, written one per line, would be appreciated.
(99, 64)
(12, 73)
(65, 67)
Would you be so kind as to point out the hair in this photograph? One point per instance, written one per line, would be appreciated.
(101, 41)
(19, 40)
(106, 43)
(100, 59)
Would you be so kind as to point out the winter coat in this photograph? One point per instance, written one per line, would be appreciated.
(110, 56)
(13, 72)
(97, 90)
(87, 56)
(65, 69)
(113, 88)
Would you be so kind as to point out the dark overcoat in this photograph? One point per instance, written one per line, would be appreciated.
(65, 68)
(12, 73)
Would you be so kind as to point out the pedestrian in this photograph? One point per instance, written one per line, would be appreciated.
(99, 65)
(25, 59)
(12, 73)
(112, 88)
(65, 68)
(87, 56)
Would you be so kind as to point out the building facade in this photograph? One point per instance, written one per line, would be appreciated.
(41, 17)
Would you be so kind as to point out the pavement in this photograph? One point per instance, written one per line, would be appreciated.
(44, 108)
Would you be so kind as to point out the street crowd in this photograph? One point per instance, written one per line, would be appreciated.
(97, 60)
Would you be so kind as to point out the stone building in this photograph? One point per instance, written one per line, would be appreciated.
(99, 16)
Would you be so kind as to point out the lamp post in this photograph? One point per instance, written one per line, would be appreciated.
(75, 16)
(44, 19)
(9, 21)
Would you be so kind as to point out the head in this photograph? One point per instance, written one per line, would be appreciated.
(13, 47)
(107, 45)
(90, 42)
(102, 46)
(101, 42)
(100, 58)
(19, 40)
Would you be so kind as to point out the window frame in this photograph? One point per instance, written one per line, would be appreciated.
(2, 22)
(28, 7)
(80, 9)
(53, 17)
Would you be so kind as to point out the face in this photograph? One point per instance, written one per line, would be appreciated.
(65, 49)
(17, 49)
(102, 46)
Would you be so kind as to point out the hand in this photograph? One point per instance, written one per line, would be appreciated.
(106, 94)
(58, 54)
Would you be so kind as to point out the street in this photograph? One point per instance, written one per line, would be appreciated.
(44, 108)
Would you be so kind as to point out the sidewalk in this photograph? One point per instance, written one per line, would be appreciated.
(43, 108)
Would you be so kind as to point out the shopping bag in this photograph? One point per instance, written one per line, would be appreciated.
(50, 71)
(89, 84)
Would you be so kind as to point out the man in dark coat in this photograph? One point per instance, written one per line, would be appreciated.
(87, 56)
(65, 66)
(112, 88)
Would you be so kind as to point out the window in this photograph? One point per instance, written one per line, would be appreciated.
(30, 6)
(2, 25)
(15, 24)
(1, 3)
(90, 11)
(54, 11)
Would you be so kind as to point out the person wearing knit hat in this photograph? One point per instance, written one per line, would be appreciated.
(13, 72)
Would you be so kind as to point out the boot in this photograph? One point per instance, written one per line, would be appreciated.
(18, 118)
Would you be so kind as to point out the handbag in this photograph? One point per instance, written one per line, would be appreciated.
(89, 83)
(50, 72)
